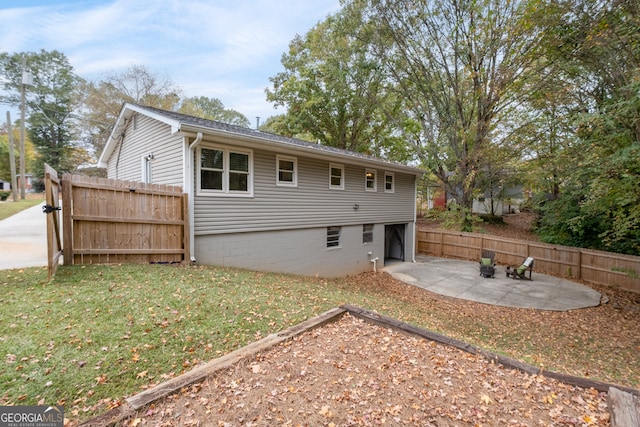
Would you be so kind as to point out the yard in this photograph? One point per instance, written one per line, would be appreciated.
(98, 334)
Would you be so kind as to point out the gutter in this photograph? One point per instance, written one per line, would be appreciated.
(191, 193)
(310, 151)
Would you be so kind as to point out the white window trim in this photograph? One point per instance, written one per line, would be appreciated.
(372, 233)
(375, 180)
(393, 182)
(342, 177)
(225, 173)
(295, 171)
(339, 245)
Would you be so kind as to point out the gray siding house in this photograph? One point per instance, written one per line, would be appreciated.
(265, 202)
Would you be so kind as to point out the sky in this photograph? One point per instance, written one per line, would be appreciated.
(225, 49)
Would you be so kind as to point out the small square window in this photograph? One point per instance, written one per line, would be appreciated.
(336, 177)
(287, 173)
(370, 182)
(333, 237)
(388, 182)
(367, 233)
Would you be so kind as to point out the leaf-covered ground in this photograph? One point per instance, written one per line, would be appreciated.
(353, 373)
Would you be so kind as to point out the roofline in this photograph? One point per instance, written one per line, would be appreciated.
(310, 150)
(257, 137)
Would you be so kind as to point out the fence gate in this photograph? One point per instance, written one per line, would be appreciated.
(108, 221)
(52, 210)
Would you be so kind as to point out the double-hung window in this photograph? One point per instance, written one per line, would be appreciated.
(287, 173)
(388, 182)
(225, 171)
(336, 176)
(370, 183)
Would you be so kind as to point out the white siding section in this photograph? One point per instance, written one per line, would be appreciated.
(149, 136)
(310, 204)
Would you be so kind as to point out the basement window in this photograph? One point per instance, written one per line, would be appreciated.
(367, 233)
(333, 237)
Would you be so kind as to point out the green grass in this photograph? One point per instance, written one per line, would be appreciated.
(97, 334)
(10, 207)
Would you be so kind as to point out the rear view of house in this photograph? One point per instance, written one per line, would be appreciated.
(266, 202)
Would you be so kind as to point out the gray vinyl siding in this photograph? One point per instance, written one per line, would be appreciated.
(149, 136)
(310, 204)
(301, 251)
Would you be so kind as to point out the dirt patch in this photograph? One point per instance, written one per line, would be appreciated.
(354, 373)
(515, 226)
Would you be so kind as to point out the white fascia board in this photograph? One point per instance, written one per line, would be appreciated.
(126, 113)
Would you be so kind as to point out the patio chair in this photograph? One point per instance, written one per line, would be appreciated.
(520, 272)
(487, 264)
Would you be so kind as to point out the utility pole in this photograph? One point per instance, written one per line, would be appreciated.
(12, 159)
(26, 80)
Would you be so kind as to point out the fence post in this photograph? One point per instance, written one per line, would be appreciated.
(67, 227)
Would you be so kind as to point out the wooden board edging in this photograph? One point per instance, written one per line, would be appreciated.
(138, 401)
(199, 373)
(507, 362)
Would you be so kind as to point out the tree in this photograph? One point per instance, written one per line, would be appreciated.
(30, 154)
(212, 109)
(460, 67)
(598, 205)
(103, 100)
(334, 90)
(51, 101)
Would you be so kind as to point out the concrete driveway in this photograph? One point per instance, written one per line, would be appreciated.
(461, 279)
(23, 239)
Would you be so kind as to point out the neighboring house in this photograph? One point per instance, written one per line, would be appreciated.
(266, 202)
(507, 202)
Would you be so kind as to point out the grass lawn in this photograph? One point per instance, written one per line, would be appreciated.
(97, 334)
(9, 207)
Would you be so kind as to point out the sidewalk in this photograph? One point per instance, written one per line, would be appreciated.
(23, 239)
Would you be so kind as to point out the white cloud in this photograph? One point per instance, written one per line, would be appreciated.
(225, 49)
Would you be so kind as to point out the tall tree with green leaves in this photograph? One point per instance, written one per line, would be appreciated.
(598, 45)
(50, 101)
(335, 92)
(460, 68)
(212, 109)
(103, 100)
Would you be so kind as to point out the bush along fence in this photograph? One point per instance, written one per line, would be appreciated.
(604, 268)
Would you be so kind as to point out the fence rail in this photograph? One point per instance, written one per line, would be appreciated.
(113, 221)
(605, 268)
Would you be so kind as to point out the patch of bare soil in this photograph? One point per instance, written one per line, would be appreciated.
(352, 373)
(516, 226)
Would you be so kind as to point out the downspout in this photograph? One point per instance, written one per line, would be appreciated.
(415, 219)
(192, 193)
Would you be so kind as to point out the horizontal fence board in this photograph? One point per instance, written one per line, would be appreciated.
(605, 268)
(90, 218)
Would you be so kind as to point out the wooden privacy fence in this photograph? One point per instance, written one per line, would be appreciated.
(109, 221)
(605, 268)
